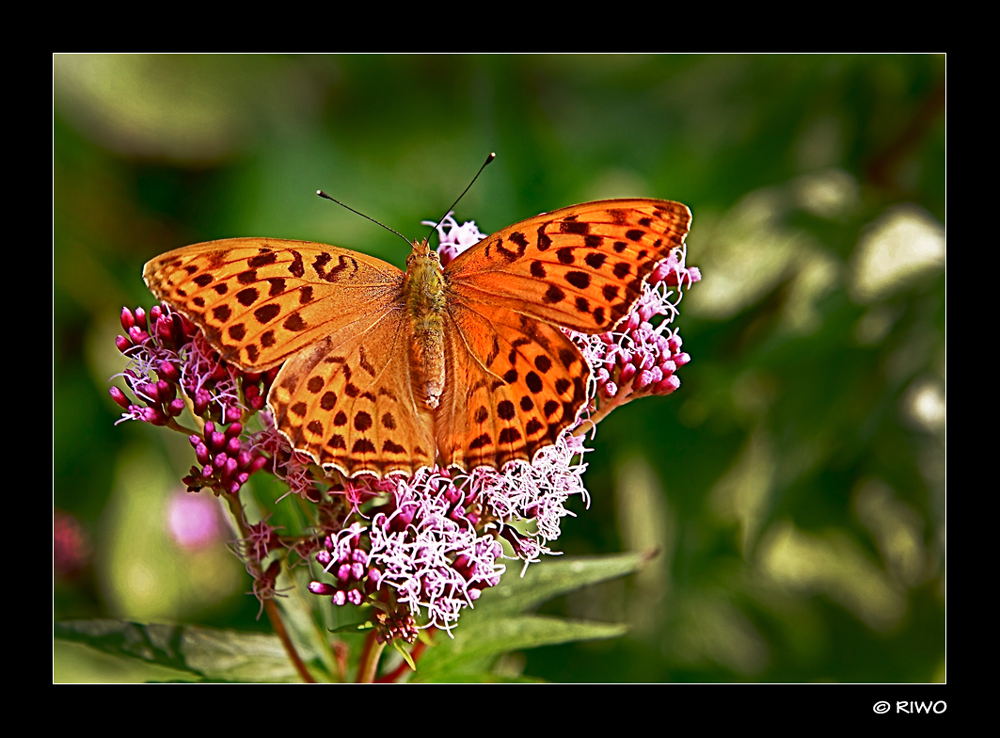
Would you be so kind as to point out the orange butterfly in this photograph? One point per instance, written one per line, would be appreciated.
(464, 366)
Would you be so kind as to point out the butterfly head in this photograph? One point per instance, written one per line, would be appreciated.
(422, 250)
(423, 259)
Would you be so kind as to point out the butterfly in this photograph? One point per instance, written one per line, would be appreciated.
(387, 371)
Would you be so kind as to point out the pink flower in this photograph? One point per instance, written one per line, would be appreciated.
(193, 520)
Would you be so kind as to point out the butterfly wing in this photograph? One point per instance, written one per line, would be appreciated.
(334, 317)
(259, 301)
(349, 403)
(519, 379)
(517, 382)
(580, 267)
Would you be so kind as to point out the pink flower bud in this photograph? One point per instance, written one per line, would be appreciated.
(201, 399)
(165, 330)
(320, 588)
(168, 371)
(119, 397)
(216, 441)
(153, 416)
(165, 391)
(642, 380)
(128, 320)
(344, 573)
(666, 385)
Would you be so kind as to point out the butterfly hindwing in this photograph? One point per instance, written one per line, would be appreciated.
(517, 383)
(349, 403)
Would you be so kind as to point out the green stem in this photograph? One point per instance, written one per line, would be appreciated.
(369, 659)
(273, 613)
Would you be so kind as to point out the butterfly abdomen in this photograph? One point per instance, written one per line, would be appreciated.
(426, 305)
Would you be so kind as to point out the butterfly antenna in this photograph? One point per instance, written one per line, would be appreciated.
(333, 199)
(489, 158)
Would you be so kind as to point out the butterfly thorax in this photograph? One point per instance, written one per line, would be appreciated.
(424, 293)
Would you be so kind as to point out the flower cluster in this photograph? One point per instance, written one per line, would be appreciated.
(418, 550)
(426, 546)
(172, 367)
(641, 356)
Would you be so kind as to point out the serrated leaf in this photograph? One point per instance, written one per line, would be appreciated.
(204, 653)
(474, 644)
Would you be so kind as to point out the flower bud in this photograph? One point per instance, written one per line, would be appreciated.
(320, 588)
(128, 320)
(168, 371)
(119, 397)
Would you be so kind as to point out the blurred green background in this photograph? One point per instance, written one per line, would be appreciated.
(794, 485)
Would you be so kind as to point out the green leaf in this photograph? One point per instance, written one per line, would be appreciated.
(477, 644)
(496, 624)
(553, 577)
(483, 677)
(201, 653)
(405, 654)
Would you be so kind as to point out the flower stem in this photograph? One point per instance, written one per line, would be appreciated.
(369, 659)
(403, 668)
(274, 615)
(270, 607)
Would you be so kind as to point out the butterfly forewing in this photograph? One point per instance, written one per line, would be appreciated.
(580, 267)
(259, 301)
